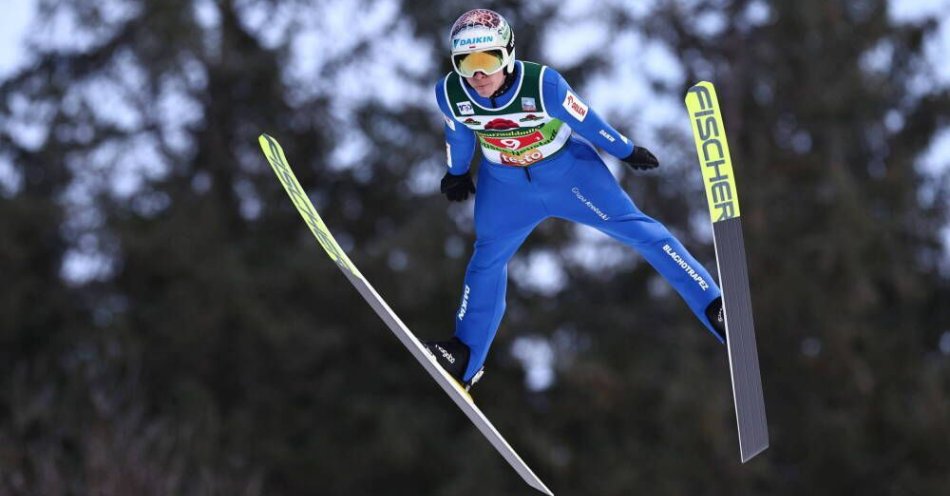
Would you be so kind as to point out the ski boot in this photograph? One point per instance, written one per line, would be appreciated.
(717, 318)
(453, 355)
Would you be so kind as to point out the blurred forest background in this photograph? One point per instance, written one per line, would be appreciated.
(169, 326)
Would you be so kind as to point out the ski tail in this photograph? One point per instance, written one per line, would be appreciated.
(722, 196)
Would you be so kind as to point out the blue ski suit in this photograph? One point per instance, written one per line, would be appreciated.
(573, 183)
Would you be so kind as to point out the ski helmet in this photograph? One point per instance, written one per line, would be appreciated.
(482, 41)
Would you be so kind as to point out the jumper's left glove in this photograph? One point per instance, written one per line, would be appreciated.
(641, 159)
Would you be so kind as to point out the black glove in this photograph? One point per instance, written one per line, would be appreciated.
(641, 159)
(457, 188)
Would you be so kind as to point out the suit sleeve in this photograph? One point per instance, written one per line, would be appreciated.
(459, 139)
(563, 104)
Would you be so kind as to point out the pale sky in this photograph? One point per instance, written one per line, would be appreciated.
(13, 25)
(586, 36)
(574, 31)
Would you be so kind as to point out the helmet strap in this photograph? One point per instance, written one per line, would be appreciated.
(509, 80)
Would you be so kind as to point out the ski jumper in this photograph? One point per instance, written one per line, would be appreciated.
(538, 162)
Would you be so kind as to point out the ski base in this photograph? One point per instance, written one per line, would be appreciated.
(740, 339)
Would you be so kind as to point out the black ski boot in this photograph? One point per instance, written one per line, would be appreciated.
(453, 356)
(717, 317)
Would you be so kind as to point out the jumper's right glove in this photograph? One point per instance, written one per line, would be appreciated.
(457, 188)
(641, 159)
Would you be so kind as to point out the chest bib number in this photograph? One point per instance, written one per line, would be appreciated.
(516, 143)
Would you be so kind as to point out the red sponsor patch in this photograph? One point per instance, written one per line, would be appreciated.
(471, 121)
(501, 124)
(516, 143)
(531, 117)
(521, 160)
(575, 106)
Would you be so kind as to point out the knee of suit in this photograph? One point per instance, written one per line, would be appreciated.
(638, 230)
(488, 256)
(487, 263)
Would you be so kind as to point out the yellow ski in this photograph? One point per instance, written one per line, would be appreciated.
(275, 156)
(723, 198)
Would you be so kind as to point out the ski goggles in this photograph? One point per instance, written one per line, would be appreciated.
(487, 61)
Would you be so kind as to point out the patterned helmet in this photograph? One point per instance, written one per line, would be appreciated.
(482, 41)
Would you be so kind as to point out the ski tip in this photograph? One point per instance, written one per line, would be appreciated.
(702, 87)
(271, 147)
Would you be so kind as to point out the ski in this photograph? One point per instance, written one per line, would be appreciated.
(275, 156)
(723, 198)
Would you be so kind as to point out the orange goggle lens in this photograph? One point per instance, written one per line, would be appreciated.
(489, 62)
